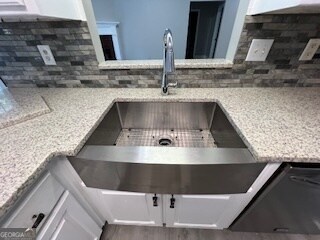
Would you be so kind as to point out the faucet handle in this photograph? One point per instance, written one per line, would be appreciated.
(173, 85)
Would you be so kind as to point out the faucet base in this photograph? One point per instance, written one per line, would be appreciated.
(164, 91)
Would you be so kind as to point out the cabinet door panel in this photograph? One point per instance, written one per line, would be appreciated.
(211, 211)
(41, 199)
(69, 228)
(69, 221)
(12, 3)
(196, 211)
(130, 208)
(14, 6)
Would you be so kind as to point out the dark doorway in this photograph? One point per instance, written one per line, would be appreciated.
(107, 46)
(192, 30)
(203, 29)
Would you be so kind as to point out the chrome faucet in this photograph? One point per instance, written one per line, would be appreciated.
(168, 62)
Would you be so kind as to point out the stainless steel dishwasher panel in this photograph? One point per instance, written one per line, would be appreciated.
(290, 203)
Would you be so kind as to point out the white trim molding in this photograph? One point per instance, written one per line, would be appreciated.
(111, 28)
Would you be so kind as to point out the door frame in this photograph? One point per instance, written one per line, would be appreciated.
(197, 31)
(111, 28)
(216, 30)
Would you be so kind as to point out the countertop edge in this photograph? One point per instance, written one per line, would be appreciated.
(158, 64)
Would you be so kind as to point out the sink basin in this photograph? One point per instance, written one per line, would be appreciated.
(171, 124)
(166, 147)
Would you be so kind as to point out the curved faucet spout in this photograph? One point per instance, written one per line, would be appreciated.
(168, 61)
(167, 39)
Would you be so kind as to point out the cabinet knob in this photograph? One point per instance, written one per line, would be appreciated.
(155, 200)
(172, 201)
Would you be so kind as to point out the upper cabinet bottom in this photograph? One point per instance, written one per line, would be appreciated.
(32, 9)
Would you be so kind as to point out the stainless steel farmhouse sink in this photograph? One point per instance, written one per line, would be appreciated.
(166, 147)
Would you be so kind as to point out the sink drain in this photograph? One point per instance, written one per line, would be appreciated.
(165, 141)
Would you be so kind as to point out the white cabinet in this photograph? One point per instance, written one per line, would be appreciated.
(197, 211)
(12, 4)
(129, 208)
(216, 211)
(69, 221)
(41, 199)
(63, 217)
(283, 6)
(178, 210)
(184, 211)
(32, 9)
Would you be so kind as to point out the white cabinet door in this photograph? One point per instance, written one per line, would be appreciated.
(69, 221)
(129, 208)
(211, 211)
(12, 3)
(41, 199)
(197, 211)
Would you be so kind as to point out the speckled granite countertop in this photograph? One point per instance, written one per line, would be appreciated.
(277, 125)
(20, 107)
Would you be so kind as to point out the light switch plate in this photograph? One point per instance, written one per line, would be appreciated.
(46, 54)
(310, 49)
(259, 49)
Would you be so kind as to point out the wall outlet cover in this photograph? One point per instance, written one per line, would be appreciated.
(310, 49)
(259, 49)
(46, 54)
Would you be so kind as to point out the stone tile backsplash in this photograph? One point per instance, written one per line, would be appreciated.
(70, 42)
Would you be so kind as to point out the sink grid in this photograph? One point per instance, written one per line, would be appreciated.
(176, 137)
